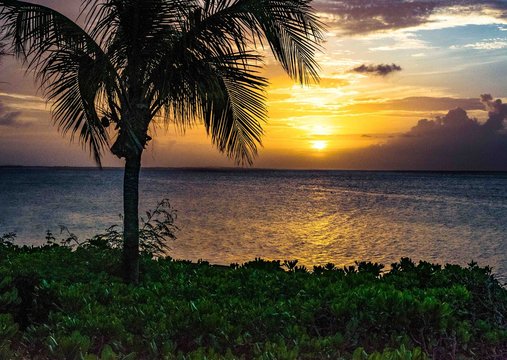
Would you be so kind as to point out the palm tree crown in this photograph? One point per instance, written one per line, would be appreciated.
(180, 61)
(138, 63)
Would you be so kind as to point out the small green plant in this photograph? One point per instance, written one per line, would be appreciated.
(156, 230)
(68, 239)
(374, 269)
(262, 264)
(154, 233)
(291, 265)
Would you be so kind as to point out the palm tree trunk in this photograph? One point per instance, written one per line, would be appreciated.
(131, 219)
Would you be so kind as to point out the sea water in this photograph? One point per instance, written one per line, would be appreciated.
(232, 216)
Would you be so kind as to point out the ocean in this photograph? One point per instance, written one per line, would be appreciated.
(232, 216)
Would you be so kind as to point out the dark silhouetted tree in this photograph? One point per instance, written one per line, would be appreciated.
(138, 63)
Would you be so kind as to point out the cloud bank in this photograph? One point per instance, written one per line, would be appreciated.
(451, 142)
(366, 16)
(379, 70)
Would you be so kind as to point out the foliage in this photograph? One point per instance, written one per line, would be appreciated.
(156, 230)
(8, 239)
(62, 303)
(389, 354)
(154, 233)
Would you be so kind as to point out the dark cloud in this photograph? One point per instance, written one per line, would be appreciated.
(380, 69)
(9, 118)
(451, 142)
(362, 16)
(365, 16)
(497, 112)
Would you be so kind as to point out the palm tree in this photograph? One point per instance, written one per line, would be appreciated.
(135, 64)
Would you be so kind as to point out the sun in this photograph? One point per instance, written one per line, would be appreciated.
(319, 145)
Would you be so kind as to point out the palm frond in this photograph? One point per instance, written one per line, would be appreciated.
(69, 65)
(225, 92)
(290, 27)
(234, 112)
(206, 68)
(74, 84)
(293, 31)
(35, 29)
(142, 30)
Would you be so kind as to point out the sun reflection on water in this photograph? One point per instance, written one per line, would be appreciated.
(316, 217)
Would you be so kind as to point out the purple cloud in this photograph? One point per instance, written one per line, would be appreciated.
(379, 70)
(497, 112)
(366, 16)
(451, 142)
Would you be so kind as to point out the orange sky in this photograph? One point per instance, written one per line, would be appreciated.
(449, 55)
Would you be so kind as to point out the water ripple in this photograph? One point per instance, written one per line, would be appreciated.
(316, 217)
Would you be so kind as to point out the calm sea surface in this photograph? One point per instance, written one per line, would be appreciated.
(314, 216)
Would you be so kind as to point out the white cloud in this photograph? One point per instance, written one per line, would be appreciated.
(457, 16)
(24, 102)
(400, 40)
(487, 44)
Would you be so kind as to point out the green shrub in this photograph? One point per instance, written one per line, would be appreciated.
(388, 354)
(56, 302)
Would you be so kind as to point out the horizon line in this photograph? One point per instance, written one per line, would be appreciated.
(247, 169)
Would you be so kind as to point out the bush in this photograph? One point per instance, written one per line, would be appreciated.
(57, 302)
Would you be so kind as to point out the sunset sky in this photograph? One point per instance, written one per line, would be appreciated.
(386, 65)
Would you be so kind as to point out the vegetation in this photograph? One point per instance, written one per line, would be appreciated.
(142, 63)
(62, 303)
